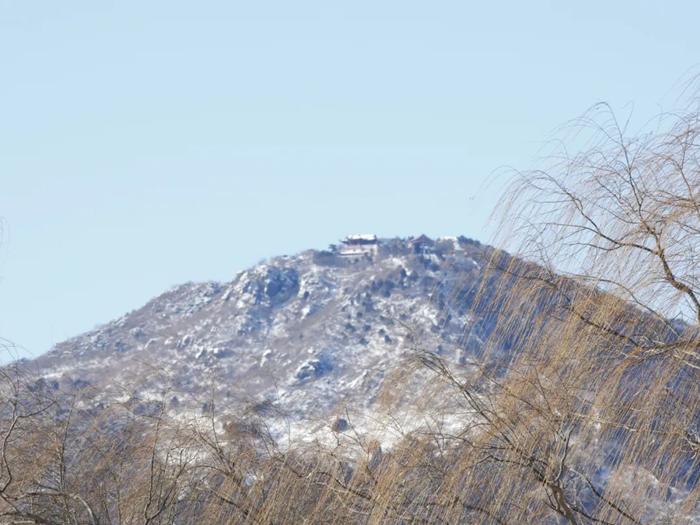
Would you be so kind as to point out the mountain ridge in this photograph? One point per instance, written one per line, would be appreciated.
(307, 338)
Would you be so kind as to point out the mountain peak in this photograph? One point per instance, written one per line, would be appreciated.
(307, 336)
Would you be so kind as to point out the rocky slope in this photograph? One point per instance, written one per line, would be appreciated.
(314, 342)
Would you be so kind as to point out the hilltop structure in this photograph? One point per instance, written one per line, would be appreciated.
(359, 245)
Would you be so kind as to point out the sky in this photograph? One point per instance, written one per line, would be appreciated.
(144, 144)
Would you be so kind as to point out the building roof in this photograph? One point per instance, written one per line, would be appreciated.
(360, 238)
(423, 239)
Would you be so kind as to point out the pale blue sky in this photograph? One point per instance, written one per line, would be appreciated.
(147, 143)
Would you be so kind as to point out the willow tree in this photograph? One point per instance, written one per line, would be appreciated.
(598, 417)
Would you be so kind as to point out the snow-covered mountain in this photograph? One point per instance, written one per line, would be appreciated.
(323, 345)
(314, 342)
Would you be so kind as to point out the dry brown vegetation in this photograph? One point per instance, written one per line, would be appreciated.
(593, 417)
